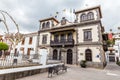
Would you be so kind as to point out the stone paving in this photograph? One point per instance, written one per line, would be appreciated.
(111, 72)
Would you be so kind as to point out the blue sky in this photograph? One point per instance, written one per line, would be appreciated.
(27, 13)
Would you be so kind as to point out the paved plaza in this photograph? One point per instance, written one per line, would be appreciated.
(111, 72)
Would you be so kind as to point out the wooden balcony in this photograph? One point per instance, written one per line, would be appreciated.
(62, 43)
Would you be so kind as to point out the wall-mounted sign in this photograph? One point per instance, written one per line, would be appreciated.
(97, 56)
(81, 53)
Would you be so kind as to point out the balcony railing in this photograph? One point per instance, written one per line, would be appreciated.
(60, 43)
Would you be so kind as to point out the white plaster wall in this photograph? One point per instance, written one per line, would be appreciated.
(95, 52)
(55, 23)
(94, 29)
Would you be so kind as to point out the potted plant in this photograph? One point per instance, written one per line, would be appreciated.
(83, 63)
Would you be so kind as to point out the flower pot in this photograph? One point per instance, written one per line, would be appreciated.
(83, 64)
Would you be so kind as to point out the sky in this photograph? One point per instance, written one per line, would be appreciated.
(27, 13)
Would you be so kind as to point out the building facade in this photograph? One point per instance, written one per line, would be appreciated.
(28, 45)
(112, 47)
(72, 42)
(117, 46)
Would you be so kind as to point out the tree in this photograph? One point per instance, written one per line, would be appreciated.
(110, 42)
(14, 39)
(4, 47)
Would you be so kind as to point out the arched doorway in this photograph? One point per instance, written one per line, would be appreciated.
(69, 56)
(111, 56)
(88, 55)
(55, 54)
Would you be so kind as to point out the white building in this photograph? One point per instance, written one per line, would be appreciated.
(117, 46)
(72, 42)
(28, 45)
(113, 53)
(27, 49)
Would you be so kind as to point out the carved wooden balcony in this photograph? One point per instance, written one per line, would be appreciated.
(62, 43)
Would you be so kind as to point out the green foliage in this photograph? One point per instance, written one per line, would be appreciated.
(118, 63)
(83, 63)
(3, 46)
(110, 42)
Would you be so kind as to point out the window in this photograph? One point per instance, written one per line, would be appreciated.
(88, 55)
(83, 17)
(28, 51)
(56, 38)
(23, 41)
(116, 51)
(87, 35)
(55, 54)
(22, 49)
(47, 24)
(44, 39)
(43, 25)
(70, 37)
(30, 40)
(90, 16)
(62, 37)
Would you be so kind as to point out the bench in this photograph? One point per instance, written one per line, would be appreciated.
(56, 69)
(64, 68)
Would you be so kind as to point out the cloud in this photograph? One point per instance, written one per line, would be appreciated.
(27, 13)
